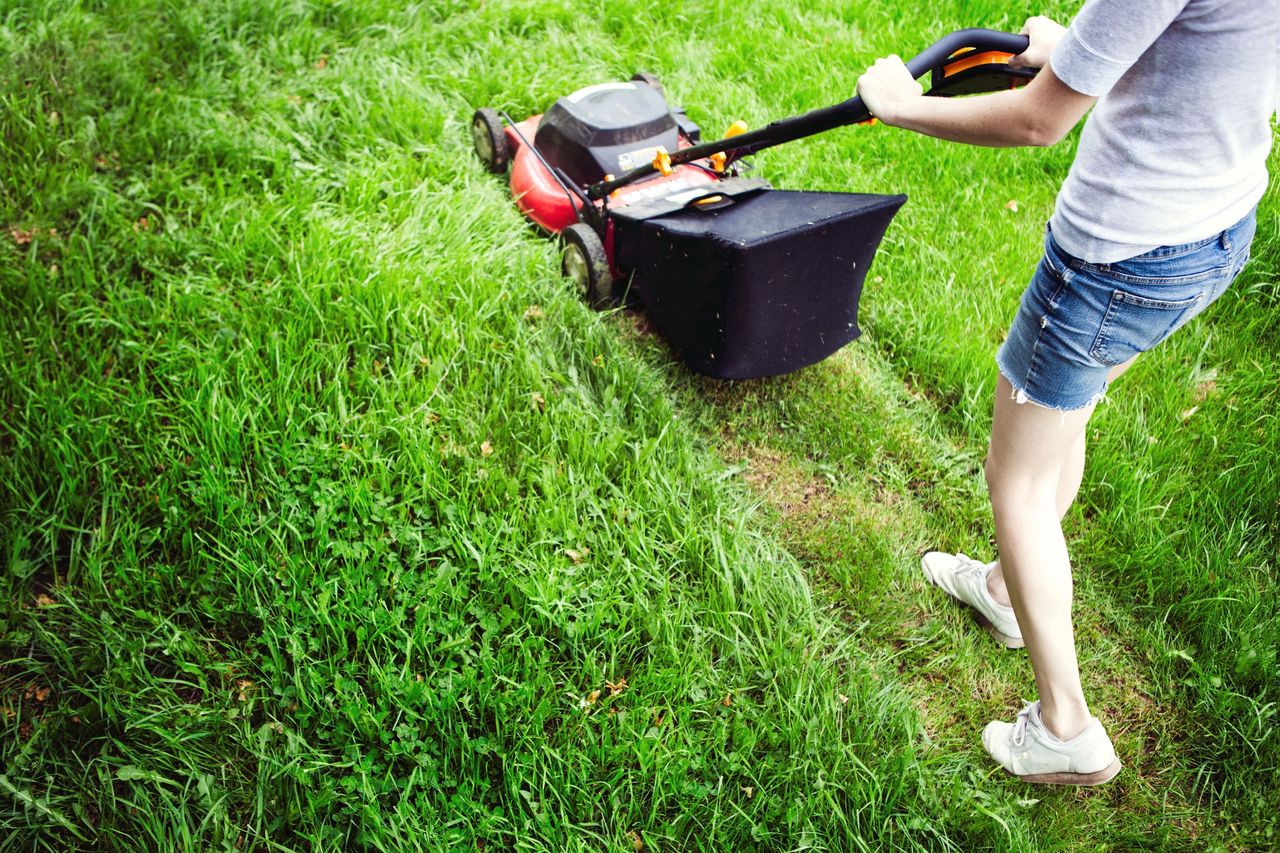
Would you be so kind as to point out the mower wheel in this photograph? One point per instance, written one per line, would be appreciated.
(490, 140)
(586, 265)
(649, 80)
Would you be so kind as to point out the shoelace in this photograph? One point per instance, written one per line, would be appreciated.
(970, 566)
(1020, 727)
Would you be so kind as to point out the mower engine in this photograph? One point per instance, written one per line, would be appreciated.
(608, 129)
(584, 138)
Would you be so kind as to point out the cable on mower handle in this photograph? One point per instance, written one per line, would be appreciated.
(848, 112)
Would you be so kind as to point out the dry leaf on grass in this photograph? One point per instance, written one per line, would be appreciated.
(533, 312)
(1205, 388)
(43, 600)
(486, 448)
(1011, 205)
(538, 402)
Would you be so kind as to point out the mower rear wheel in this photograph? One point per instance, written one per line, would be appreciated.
(490, 140)
(649, 80)
(586, 265)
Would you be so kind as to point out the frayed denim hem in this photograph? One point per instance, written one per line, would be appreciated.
(1020, 396)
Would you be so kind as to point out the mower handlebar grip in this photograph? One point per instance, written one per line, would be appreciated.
(979, 39)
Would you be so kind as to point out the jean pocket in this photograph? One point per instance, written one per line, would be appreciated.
(1134, 324)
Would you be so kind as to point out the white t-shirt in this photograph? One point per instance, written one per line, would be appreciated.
(1176, 148)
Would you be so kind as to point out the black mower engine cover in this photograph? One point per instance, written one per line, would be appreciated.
(605, 130)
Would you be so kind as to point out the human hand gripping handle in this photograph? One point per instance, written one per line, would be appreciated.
(886, 86)
(1044, 34)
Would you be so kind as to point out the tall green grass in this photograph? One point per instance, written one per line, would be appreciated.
(329, 517)
(332, 521)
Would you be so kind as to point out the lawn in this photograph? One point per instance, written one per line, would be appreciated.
(330, 519)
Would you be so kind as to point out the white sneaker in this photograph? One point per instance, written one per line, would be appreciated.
(1031, 752)
(965, 580)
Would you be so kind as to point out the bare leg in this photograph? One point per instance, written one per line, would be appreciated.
(1031, 450)
(1069, 479)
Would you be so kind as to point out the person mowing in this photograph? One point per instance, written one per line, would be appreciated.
(1152, 224)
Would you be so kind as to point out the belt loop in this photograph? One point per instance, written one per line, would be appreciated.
(1226, 240)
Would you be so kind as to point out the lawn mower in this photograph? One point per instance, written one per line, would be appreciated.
(744, 280)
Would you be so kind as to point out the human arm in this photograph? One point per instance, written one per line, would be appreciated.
(1080, 64)
(1040, 114)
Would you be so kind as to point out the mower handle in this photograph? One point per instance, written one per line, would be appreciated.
(847, 112)
(976, 38)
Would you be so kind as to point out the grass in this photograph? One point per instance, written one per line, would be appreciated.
(331, 520)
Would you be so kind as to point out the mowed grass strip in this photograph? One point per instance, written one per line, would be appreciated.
(332, 521)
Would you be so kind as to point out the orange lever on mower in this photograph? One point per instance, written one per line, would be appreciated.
(971, 71)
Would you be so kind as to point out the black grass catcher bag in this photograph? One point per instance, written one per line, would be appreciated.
(747, 281)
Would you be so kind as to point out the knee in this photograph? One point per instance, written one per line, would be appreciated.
(1015, 489)
(996, 479)
(997, 483)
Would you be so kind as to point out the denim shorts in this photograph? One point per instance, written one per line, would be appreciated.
(1078, 320)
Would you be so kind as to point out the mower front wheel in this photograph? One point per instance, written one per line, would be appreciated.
(586, 265)
(490, 140)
